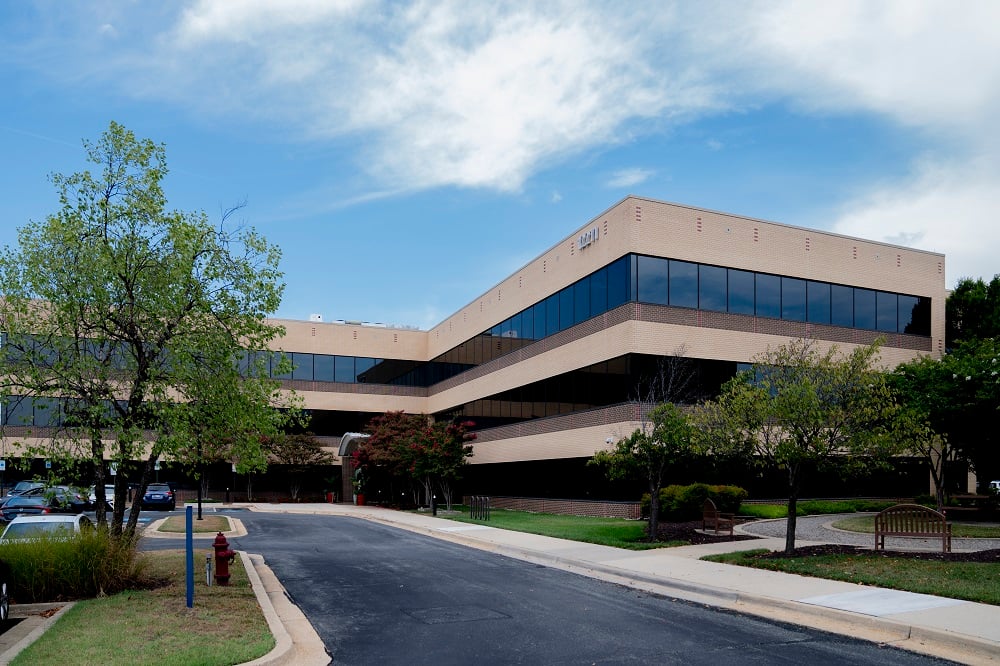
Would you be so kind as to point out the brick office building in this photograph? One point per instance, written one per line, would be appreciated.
(547, 361)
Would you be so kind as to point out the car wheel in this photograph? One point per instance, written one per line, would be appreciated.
(4, 596)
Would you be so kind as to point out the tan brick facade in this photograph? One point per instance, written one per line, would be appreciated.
(639, 226)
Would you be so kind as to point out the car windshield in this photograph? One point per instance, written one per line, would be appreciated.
(31, 530)
(158, 488)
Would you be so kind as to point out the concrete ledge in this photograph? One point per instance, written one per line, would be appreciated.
(236, 529)
(34, 622)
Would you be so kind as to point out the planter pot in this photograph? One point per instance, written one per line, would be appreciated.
(359, 499)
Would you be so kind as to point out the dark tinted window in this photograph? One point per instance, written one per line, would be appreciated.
(302, 366)
(768, 296)
(552, 314)
(819, 302)
(886, 311)
(864, 309)
(618, 282)
(344, 369)
(841, 305)
(652, 280)
(712, 288)
(566, 308)
(793, 299)
(538, 313)
(599, 292)
(581, 300)
(683, 284)
(741, 292)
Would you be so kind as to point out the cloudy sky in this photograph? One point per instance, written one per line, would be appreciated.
(408, 156)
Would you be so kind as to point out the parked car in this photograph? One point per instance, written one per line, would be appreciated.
(5, 582)
(56, 525)
(58, 499)
(159, 496)
(22, 487)
(109, 496)
(995, 486)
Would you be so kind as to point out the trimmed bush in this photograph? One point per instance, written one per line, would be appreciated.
(684, 503)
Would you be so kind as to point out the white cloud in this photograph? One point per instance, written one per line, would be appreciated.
(629, 177)
(556, 197)
(945, 207)
(714, 144)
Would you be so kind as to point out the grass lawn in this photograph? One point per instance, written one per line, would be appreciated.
(972, 581)
(206, 524)
(615, 532)
(226, 625)
(866, 524)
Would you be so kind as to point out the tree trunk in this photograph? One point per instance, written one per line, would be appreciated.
(793, 500)
(133, 514)
(654, 512)
(97, 455)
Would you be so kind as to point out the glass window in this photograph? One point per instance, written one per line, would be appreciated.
(652, 274)
(768, 293)
(363, 364)
(683, 284)
(741, 292)
(47, 412)
(323, 368)
(919, 314)
(18, 411)
(886, 311)
(506, 326)
(841, 305)
(344, 369)
(819, 302)
(302, 366)
(864, 309)
(599, 292)
(516, 328)
(566, 308)
(552, 314)
(539, 316)
(793, 299)
(581, 300)
(712, 288)
(618, 282)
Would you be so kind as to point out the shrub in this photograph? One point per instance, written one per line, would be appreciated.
(88, 565)
(683, 503)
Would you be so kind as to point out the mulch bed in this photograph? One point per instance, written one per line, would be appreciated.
(689, 532)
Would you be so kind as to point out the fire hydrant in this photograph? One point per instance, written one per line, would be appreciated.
(223, 556)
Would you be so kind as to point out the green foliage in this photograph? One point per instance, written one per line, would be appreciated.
(814, 508)
(972, 311)
(131, 320)
(88, 565)
(799, 407)
(684, 503)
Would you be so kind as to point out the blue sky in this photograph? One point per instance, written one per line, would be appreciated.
(408, 156)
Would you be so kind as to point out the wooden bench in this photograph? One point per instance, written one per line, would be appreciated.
(711, 516)
(912, 520)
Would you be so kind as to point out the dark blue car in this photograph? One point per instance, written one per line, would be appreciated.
(159, 496)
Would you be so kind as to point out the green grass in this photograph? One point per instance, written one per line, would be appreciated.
(206, 524)
(615, 532)
(866, 525)
(225, 626)
(813, 508)
(971, 581)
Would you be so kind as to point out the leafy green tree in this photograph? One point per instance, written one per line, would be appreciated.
(798, 408)
(649, 452)
(299, 453)
(115, 308)
(972, 311)
(411, 447)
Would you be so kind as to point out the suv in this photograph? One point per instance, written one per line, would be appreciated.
(159, 496)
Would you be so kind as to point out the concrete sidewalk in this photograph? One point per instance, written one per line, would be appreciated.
(948, 628)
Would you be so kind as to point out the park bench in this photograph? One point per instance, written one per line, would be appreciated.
(711, 516)
(912, 520)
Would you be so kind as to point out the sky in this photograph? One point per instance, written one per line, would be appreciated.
(407, 156)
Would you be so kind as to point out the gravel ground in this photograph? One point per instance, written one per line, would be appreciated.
(818, 529)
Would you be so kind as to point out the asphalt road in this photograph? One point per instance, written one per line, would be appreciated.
(379, 595)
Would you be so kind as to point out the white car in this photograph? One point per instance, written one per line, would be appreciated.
(995, 486)
(109, 496)
(51, 524)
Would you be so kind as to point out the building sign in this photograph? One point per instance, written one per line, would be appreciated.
(588, 238)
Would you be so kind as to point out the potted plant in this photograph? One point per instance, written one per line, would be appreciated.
(359, 490)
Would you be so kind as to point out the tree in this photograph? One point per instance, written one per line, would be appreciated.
(299, 453)
(650, 453)
(411, 447)
(116, 309)
(972, 311)
(798, 408)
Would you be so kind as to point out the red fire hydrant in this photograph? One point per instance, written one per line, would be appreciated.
(223, 556)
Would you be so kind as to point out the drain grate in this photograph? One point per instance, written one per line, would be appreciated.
(449, 614)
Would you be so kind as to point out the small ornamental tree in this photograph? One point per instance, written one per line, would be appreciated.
(298, 453)
(649, 453)
(798, 408)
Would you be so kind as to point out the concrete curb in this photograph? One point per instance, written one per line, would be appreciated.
(31, 627)
(296, 641)
(236, 529)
